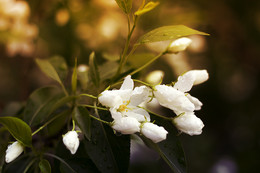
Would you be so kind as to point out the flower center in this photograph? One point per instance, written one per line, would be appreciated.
(123, 107)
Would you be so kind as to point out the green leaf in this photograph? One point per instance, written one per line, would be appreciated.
(82, 118)
(40, 104)
(60, 66)
(125, 5)
(108, 70)
(170, 149)
(148, 7)
(168, 33)
(48, 69)
(18, 129)
(45, 166)
(74, 78)
(93, 70)
(99, 149)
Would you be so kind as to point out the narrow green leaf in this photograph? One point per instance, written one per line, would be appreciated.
(148, 7)
(168, 33)
(170, 149)
(45, 166)
(93, 70)
(48, 69)
(74, 78)
(18, 129)
(82, 118)
(40, 104)
(125, 5)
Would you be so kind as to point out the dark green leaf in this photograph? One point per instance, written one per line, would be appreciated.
(125, 5)
(40, 104)
(74, 78)
(48, 69)
(148, 7)
(93, 70)
(82, 118)
(18, 129)
(168, 33)
(45, 166)
(99, 149)
(170, 149)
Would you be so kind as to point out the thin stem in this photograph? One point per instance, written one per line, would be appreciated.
(95, 107)
(161, 116)
(48, 122)
(96, 118)
(144, 83)
(88, 95)
(73, 125)
(148, 63)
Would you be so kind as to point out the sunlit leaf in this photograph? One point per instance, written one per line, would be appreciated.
(48, 69)
(168, 33)
(18, 129)
(40, 104)
(93, 70)
(45, 166)
(148, 7)
(82, 118)
(170, 149)
(137, 60)
(125, 5)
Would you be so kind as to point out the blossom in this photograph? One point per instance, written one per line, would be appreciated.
(188, 123)
(124, 102)
(179, 45)
(71, 141)
(153, 132)
(126, 125)
(13, 151)
(173, 99)
(190, 78)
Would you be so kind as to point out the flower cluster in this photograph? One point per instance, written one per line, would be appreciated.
(14, 22)
(129, 118)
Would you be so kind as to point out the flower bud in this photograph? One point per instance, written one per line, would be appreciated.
(13, 151)
(189, 123)
(179, 45)
(126, 125)
(71, 141)
(154, 132)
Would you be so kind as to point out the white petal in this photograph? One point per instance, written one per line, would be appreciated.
(126, 125)
(115, 114)
(195, 101)
(154, 132)
(200, 76)
(185, 82)
(138, 113)
(179, 45)
(173, 99)
(139, 95)
(71, 141)
(13, 151)
(114, 98)
(127, 84)
(189, 123)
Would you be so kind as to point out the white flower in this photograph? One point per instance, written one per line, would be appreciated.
(188, 123)
(173, 99)
(179, 45)
(124, 102)
(13, 151)
(190, 78)
(71, 141)
(126, 125)
(153, 132)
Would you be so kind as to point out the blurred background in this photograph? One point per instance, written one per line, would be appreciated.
(74, 28)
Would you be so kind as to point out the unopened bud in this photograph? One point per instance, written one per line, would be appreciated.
(179, 45)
